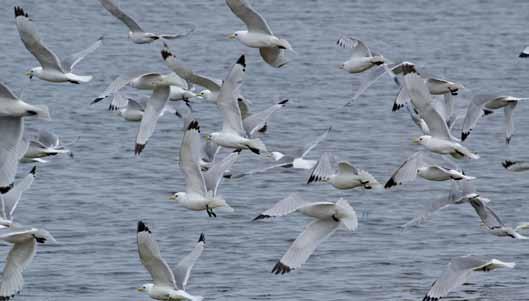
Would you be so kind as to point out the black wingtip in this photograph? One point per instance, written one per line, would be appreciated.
(487, 112)
(390, 183)
(508, 140)
(523, 54)
(408, 68)
(138, 148)
(464, 135)
(261, 216)
(284, 101)
(193, 125)
(281, 268)
(142, 227)
(19, 11)
(242, 61)
(202, 238)
(166, 53)
(96, 100)
(101, 38)
(33, 170)
(396, 107)
(507, 163)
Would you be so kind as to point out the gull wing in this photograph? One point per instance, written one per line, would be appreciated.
(253, 20)
(114, 9)
(190, 160)
(227, 99)
(183, 269)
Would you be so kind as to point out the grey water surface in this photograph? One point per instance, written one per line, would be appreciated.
(91, 203)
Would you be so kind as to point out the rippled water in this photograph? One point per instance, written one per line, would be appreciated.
(91, 203)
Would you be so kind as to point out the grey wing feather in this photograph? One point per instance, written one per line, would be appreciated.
(407, 172)
(152, 112)
(509, 124)
(151, 258)
(69, 62)
(285, 206)
(190, 160)
(486, 214)
(12, 197)
(48, 139)
(6, 93)
(315, 143)
(18, 259)
(10, 139)
(475, 112)
(359, 48)
(258, 120)
(112, 8)
(324, 168)
(253, 20)
(227, 100)
(183, 270)
(215, 173)
(274, 56)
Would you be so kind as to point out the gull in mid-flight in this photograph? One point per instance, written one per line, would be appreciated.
(341, 175)
(233, 135)
(136, 34)
(52, 68)
(9, 201)
(329, 217)
(486, 104)
(133, 110)
(201, 188)
(525, 52)
(12, 146)
(361, 59)
(516, 166)
(259, 35)
(440, 140)
(167, 284)
(294, 160)
(44, 144)
(458, 272)
(492, 222)
(424, 166)
(24, 240)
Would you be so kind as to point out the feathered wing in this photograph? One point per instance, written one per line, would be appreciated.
(114, 9)
(509, 124)
(324, 168)
(69, 62)
(274, 56)
(48, 139)
(12, 197)
(474, 112)
(258, 120)
(190, 160)
(401, 100)
(359, 49)
(284, 207)
(17, 260)
(315, 143)
(183, 270)
(215, 173)
(305, 244)
(30, 38)
(6, 94)
(371, 77)
(227, 99)
(486, 214)
(154, 107)
(407, 172)
(253, 20)
(118, 83)
(12, 131)
(152, 259)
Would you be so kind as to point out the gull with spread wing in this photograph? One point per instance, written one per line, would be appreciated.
(136, 34)
(329, 217)
(426, 167)
(201, 188)
(12, 146)
(361, 58)
(516, 166)
(482, 105)
(43, 145)
(259, 35)
(9, 201)
(458, 272)
(341, 175)
(167, 284)
(52, 68)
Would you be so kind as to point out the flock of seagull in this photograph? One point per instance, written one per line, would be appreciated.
(206, 160)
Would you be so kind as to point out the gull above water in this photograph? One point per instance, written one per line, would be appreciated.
(167, 284)
(52, 68)
(136, 34)
(259, 35)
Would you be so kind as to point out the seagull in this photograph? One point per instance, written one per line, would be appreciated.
(515, 166)
(493, 223)
(361, 59)
(486, 104)
(136, 34)
(435, 87)
(295, 160)
(133, 110)
(259, 35)
(342, 175)
(440, 140)
(24, 240)
(233, 134)
(52, 68)
(12, 146)
(460, 192)
(201, 188)
(524, 53)
(424, 166)
(328, 216)
(43, 145)
(256, 124)
(9, 200)
(153, 109)
(459, 270)
(167, 284)
(141, 81)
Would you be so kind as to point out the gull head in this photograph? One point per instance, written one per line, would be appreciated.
(33, 72)
(145, 288)
(422, 139)
(234, 36)
(341, 66)
(177, 196)
(206, 94)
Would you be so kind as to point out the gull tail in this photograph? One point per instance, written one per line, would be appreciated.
(77, 79)
(41, 111)
(256, 146)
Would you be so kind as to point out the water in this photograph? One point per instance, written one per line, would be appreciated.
(92, 203)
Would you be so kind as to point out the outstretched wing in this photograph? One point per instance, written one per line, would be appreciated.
(256, 121)
(227, 99)
(18, 259)
(183, 269)
(190, 160)
(121, 15)
(154, 107)
(215, 173)
(253, 20)
(69, 62)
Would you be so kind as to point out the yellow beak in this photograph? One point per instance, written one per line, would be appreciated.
(172, 197)
(415, 141)
(28, 73)
(232, 36)
(140, 289)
